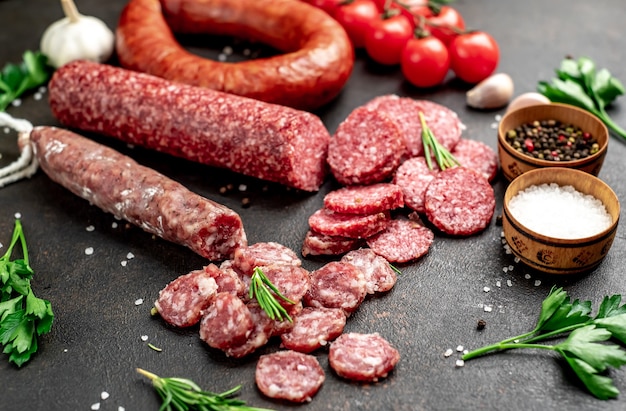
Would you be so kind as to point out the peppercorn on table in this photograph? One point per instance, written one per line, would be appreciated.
(102, 276)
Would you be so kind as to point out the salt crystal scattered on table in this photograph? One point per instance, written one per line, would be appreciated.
(494, 125)
(7, 130)
(227, 50)
(516, 259)
(123, 263)
(511, 268)
(459, 348)
(130, 256)
(42, 89)
(144, 338)
(243, 187)
(498, 284)
(221, 57)
(37, 96)
(498, 117)
(90, 228)
(17, 102)
(487, 308)
(549, 209)
(95, 406)
(465, 352)
(486, 289)
(18, 215)
(104, 395)
(89, 250)
(527, 276)
(459, 363)
(448, 353)
(537, 283)
(114, 225)
(139, 301)
(120, 408)
(505, 269)
(509, 283)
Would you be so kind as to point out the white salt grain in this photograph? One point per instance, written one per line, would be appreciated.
(16, 103)
(139, 301)
(459, 348)
(509, 283)
(114, 225)
(537, 283)
(104, 395)
(459, 363)
(89, 251)
(487, 308)
(123, 263)
(448, 353)
(18, 215)
(120, 408)
(559, 211)
(144, 338)
(527, 276)
(486, 289)
(130, 256)
(498, 284)
(95, 406)
(90, 228)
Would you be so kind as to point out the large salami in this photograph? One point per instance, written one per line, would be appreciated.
(157, 204)
(251, 137)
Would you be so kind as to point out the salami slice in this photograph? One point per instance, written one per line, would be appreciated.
(404, 111)
(181, 302)
(289, 375)
(362, 357)
(337, 285)
(226, 279)
(459, 201)
(226, 323)
(292, 282)
(370, 199)
(314, 328)
(320, 244)
(477, 156)
(356, 226)
(260, 335)
(366, 148)
(284, 326)
(402, 241)
(260, 254)
(379, 276)
(413, 177)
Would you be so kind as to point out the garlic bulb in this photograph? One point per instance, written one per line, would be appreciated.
(493, 92)
(76, 37)
(527, 99)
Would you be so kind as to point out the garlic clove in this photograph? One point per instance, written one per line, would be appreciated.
(493, 92)
(527, 99)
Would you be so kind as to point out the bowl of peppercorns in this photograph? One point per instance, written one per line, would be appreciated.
(551, 135)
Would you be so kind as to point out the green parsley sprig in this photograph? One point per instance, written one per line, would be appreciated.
(432, 147)
(16, 79)
(261, 288)
(579, 84)
(182, 394)
(23, 317)
(585, 348)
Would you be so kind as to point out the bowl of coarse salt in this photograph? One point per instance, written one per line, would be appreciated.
(560, 220)
(551, 135)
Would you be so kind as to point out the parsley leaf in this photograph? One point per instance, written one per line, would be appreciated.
(23, 316)
(588, 347)
(16, 79)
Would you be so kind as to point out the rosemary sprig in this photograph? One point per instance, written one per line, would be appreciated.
(432, 147)
(182, 394)
(261, 288)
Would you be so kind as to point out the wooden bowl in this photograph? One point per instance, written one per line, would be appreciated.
(555, 255)
(513, 163)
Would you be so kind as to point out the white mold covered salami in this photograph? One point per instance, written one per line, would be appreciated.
(117, 184)
(289, 375)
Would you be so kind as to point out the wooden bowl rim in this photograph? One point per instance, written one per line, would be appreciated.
(518, 184)
(548, 108)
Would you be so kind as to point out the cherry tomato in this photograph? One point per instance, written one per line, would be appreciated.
(329, 6)
(355, 17)
(474, 56)
(440, 25)
(386, 38)
(425, 61)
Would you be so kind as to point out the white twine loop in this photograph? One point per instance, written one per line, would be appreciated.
(26, 165)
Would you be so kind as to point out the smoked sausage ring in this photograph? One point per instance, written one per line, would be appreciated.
(317, 63)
